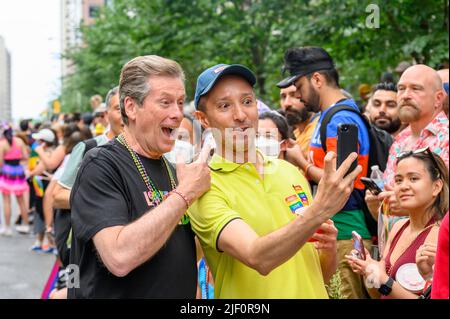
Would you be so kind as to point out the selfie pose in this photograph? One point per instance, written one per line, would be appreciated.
(421, 187)
(255, 222)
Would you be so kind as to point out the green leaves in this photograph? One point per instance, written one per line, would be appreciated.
(256, 33)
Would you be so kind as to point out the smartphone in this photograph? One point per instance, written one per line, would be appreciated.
(371, 185)
(358, 245)
(347, 143)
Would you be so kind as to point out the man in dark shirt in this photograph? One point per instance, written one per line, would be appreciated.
(131, 236)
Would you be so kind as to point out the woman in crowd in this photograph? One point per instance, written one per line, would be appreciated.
(12, 179)
(58, 220)
(273, 135)
(47, 140)
(52, 160)
(69, 143)
(421, 187)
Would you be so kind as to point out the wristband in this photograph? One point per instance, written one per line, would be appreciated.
(176, 191)
(307, 168)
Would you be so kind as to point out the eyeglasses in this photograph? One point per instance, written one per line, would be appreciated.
(424, 150)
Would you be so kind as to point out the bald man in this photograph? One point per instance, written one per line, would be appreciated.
(419, 98)
(443, 74)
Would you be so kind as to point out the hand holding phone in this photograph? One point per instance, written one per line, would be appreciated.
(358, 245)
(347, 143)
(371, 185)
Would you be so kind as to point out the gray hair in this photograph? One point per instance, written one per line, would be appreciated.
(135, 74)
(110, 95)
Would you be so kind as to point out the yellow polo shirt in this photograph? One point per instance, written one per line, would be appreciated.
(237, 191)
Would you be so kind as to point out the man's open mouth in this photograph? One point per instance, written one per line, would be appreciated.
(168, 131)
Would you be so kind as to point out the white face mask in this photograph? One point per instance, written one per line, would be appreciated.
(183, 147)
(269, 146)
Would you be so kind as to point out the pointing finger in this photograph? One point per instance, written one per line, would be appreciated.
(204, 153)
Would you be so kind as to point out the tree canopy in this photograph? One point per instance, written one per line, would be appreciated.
(256, 33)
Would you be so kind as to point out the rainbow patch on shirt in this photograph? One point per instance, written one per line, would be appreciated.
(301, 194)
(152, 198)
(295, 205)
(152, 201)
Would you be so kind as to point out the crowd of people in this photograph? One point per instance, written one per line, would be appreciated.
(225, 197)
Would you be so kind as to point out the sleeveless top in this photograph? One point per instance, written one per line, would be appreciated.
(14, 152)
(409, 255)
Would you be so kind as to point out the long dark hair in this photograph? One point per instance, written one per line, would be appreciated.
(280, 122)
(72, 135)
(8, 134)
(72, 140)
(435, 166)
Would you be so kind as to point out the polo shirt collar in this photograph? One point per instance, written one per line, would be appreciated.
(435, 125)
(218, 163)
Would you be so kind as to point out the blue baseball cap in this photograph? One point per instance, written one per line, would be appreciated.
(208, 78)
(445, 85)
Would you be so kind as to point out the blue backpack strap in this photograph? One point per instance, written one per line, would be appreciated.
(327, 118)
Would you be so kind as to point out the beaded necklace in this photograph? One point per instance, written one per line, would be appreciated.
(141, 169)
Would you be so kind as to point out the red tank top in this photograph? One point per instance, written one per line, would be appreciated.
(409, 255)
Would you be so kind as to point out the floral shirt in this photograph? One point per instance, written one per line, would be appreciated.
(435, 136)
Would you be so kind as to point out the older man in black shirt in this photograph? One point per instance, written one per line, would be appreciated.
(132, 238)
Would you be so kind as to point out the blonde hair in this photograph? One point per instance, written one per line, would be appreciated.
(96, 100)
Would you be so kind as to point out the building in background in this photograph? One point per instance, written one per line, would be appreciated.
(5, 82)
(74, 14)
(71, 11)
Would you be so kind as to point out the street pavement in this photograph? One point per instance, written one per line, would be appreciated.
(23, 273)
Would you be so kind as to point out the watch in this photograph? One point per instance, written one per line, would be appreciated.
(386, 288)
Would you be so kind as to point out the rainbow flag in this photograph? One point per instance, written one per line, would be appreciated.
(51, 281)
(38, 186)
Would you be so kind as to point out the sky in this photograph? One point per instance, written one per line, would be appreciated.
(31, 31)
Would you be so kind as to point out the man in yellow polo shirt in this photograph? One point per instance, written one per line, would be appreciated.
(254, 222)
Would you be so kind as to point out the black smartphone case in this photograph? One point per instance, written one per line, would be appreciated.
(371, 185)
(347, 143)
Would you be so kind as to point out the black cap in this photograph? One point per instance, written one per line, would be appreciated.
(302, 61)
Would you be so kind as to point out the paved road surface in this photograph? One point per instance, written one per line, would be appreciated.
(23, 274)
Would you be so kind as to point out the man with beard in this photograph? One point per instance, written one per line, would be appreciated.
(312, 71)
(298, 117)
(383, 110)
(419, 97)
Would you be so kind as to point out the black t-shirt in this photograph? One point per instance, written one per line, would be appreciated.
(109, 191)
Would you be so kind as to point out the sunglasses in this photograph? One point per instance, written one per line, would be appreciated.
(424, 150)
